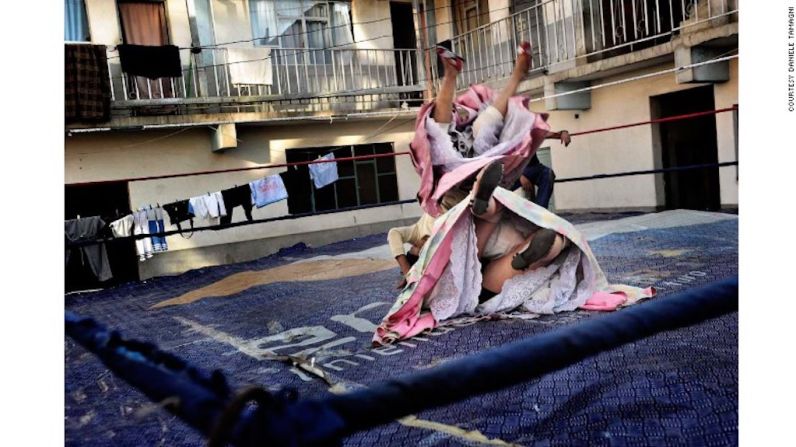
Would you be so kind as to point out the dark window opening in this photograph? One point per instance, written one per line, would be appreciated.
(110, 201)
(360, 182)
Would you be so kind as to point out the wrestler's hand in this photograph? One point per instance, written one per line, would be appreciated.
(401, 284)
(418, 246)
(565, 138)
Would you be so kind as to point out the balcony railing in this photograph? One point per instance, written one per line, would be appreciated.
(295, 73)
(563, 31)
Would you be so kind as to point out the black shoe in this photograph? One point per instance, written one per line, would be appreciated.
(493, 173)
(538, 248)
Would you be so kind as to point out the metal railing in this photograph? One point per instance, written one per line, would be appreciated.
(292, 72)
(562, 31)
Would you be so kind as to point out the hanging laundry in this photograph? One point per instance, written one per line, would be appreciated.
(239, 195)
(197, 207)
(161, 228)
(268, 190)
(249, 66)
(95, 255)
(122, 227)
(292, 178)
(143, 246)
(150, 61)
(323, 174)
(215, 204)
(152, 223)
(208, 206)
(87, 88)
(179, 212)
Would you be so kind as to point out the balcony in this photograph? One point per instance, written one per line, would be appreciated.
(301, 82)
(567, 33)
(306, 82)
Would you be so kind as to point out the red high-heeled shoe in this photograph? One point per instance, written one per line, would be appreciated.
(455, 59)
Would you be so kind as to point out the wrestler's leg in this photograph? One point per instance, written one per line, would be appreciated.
(443, 108)
(489, 123)
(500, 270)
(501, 103)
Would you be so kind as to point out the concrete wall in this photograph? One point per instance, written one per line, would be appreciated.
(119, 155)
(444, 25)
(103, 22)
(369, 11)
(629, 149)
(726, 95)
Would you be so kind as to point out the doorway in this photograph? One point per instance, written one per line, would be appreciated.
(109, 201)
(688, 142)
(403, 31)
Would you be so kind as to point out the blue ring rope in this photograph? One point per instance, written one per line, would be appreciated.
(202, 397)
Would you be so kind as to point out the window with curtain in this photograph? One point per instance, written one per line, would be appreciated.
(75, 21)
(300, 23)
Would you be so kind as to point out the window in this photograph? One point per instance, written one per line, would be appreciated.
(470, 14)
(300, 23)
(361, 182)
(75, 21)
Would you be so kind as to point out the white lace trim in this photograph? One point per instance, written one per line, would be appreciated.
(457, 290)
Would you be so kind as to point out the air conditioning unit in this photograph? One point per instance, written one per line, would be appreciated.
(225, 137)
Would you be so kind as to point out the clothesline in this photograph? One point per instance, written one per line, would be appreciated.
(147, 228)
(244, 222)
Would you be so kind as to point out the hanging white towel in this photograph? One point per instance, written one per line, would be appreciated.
(199, 207)
(268, 190)
(122, 227)
(250, 66)
(323, 174)
(209, 206)
(215, 204)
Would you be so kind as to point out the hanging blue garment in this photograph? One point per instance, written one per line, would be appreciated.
(323, 174)
(268, 190)
(75, 21)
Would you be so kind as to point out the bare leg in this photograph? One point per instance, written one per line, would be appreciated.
(501, 103)
(500, 270)
(483, 231)
(486, 221)
(443, 108)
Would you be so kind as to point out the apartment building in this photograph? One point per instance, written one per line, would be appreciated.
(348, 77)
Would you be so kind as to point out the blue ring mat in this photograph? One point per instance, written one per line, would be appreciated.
(675, 388)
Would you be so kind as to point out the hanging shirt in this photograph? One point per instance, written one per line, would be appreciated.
(198, 207)
(94, 254)
(143, 246)
(323, 174)
(239, 195)
(249, 66)
(215, 204)
(122, 227)
(268, 190)
(179, 212)
(208, 206)
(152, 62)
